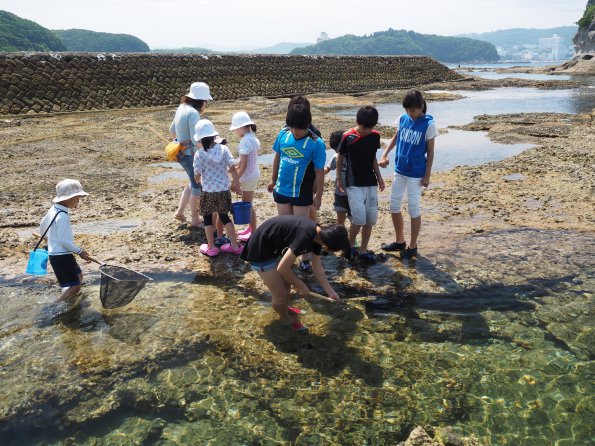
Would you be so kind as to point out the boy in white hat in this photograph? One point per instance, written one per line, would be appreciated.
(60, 240)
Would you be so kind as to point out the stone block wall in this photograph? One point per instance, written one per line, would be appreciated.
(48, 82)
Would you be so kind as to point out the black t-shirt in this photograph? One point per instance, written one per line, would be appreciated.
(272, 237)
(360, 152)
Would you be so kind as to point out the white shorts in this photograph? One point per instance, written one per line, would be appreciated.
(363, 204)
(413, 186)
(249, 185)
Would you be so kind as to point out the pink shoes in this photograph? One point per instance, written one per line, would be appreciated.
(245, 231)
(204, 249)
(228, 248)
(244, 237)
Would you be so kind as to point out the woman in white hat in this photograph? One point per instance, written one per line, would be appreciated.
(248, 171)
(182, 129)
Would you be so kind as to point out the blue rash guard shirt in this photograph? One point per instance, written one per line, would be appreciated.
(298, 159)
(410, 159)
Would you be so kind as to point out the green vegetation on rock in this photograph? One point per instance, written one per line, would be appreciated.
(587, 17)
(85, 40)
(17, 34)
(401, 42)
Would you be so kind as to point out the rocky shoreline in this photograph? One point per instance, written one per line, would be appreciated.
(115, 154)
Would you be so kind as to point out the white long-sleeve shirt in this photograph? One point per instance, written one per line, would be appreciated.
(59, 236)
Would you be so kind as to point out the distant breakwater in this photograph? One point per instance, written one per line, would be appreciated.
(65, 82)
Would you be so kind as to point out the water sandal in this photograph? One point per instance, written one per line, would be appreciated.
(298, 326)
(204, 249)
(220, 241)
(394, 246)
(228, 248)
(245, 231)
(409, 253)
(350, 253)
(244, 237)
(367, 257)
(295, 311)
(305, 265)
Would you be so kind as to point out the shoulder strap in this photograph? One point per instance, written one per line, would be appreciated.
(48, 228)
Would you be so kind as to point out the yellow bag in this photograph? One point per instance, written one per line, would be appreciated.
(172, 150)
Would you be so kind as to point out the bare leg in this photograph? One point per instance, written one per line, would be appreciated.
(218, 224)
(284, 209)
(194, 209)
(184, 199)
(71, 292)
(249, 196)
(210, 233)
(278, 288)
(399, 226)
(353, 231)
(415, 228)
(366, 233)
(231, 233)
(341, 217)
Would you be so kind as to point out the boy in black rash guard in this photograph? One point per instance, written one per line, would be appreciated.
(287, 237)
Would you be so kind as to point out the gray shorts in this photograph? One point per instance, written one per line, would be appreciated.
(363, 204)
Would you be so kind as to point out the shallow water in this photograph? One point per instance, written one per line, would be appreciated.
(492, 333)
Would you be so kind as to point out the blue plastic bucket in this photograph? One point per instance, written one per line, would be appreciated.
(38, 262)
(241, 211)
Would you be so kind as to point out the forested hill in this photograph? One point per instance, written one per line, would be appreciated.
(400, 42)
(84, 40)
(17, 34)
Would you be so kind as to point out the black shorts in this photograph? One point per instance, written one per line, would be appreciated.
(341, 203)
(66, 270)
(305, 200)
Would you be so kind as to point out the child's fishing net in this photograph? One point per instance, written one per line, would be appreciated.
(120, 285)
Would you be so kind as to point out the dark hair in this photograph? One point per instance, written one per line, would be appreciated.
(298, 116)
(367, 116)
(207, 142)
(198, 104)
(252, 127)
(298, 100)
(335, 139)
(414, 99)
(335, 237)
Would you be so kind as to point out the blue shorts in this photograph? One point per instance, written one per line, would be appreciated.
(306, 200)
(187, 162)
(66, 270)
(265, 266)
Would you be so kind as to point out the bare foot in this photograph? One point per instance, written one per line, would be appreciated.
(197, 224)
(180, 217)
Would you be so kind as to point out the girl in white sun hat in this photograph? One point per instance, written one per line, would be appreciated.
(192, 104)
(248, 170)
(58, 232)
(211, 166)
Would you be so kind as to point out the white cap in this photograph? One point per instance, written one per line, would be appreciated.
(204, 129)
(199, 90)
(239, 120)
(68, 188)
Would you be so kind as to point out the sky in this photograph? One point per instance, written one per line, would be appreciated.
(241, 24)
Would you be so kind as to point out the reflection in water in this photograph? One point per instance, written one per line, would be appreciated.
(491, 333)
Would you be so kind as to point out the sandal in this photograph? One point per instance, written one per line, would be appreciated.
(244, 237)
(228, 248)
(212, 252)
(367, 257)
(298, 326)
(394, 246)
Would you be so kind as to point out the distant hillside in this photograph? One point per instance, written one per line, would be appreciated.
(17, 34)
(523, 36)
(85, 40)
(183, 50)
(400, 42)
(280, 48)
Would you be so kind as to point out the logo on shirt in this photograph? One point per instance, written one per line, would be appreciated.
(292, 152)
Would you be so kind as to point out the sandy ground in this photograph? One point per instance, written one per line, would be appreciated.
(115, 155)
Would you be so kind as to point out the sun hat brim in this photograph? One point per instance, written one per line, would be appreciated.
(234, 127)
(60, 198)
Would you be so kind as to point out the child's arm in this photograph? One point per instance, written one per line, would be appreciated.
(235, 185)
(339, 176)
(391, 145)
(286, 272)
(320, 275)
(243, 165)
(275, 173)
(319, 188)
(378, 175)
(425, 181)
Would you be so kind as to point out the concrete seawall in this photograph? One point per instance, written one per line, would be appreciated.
(59, 82)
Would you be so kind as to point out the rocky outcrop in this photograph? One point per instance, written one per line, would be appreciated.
(46, 82)
(584, 41)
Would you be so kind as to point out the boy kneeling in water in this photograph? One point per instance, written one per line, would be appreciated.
(289, 236)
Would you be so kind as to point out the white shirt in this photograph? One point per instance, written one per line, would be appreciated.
(213, 165)
(60, 238)
(249, 145)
